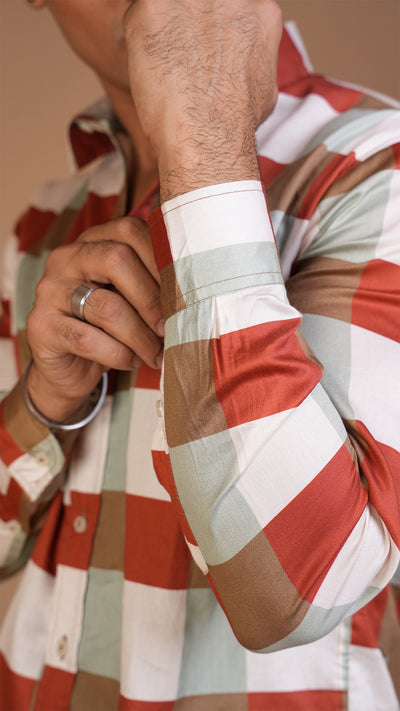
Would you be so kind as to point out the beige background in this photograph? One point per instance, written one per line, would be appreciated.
(42, 84)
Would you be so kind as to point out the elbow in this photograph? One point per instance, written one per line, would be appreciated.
(265, 630)
(263, 617)
(264, 608)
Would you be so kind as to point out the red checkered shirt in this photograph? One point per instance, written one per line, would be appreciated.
(223, 542)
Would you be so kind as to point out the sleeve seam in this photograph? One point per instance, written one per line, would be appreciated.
(222, 281)
(207, 197)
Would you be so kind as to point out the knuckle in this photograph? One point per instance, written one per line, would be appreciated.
(56, 258)
(52, 259)
(77, 337)
(130, 229)
(88, 246)
(110, 305)
(41, 290)
(91, 234)
(118, 255)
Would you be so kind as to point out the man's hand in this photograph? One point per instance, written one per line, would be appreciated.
(124, 322)
(203, 77)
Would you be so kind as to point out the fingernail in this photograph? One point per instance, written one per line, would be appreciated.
(160, 328)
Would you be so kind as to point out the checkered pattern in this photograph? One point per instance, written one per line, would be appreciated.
(259, 488)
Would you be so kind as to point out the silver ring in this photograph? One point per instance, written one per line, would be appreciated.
(79, 298)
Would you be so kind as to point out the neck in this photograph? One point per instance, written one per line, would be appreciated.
(142, 163)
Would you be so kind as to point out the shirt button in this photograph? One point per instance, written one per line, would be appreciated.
(159, 408)
(80, 524)
(62, 646)
(42, 458)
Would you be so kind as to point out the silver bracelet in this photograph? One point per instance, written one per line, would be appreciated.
(56, 425)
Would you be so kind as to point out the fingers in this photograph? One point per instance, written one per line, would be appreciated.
(110, 312)
(130, 231)
(117, 264)
(128, 266)
(125, 326)
(67, 335)
(114, 334)
(86, 341)
(138, 236)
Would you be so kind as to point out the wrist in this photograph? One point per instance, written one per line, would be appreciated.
(200, 159)
(80, 418)
(52, 402)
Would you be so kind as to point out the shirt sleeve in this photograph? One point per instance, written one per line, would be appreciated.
(288, 500)
(32, 459)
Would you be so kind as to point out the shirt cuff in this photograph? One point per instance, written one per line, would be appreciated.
(214, 240)
(33, 455)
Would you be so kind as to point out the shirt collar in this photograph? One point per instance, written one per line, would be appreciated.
(293, 61)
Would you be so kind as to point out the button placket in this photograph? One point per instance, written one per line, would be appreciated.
(161, 422)
(65, 625)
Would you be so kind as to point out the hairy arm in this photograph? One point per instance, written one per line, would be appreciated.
(203, 77)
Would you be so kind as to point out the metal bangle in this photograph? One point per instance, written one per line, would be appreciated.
(57, 425)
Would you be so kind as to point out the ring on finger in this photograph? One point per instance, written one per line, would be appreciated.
(79, 298)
